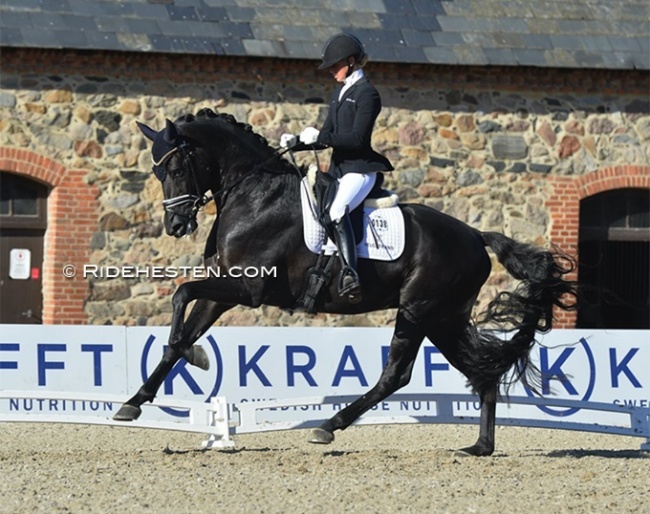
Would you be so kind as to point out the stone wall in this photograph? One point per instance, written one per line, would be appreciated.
(477, 143)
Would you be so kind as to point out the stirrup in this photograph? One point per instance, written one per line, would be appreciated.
(353, 287)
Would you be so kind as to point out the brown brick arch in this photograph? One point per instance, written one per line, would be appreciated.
(72, 219)
(564, 207)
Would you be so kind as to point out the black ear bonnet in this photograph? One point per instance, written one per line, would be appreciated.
(165, 144)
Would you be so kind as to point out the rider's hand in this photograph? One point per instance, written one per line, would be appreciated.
(288, 141)
(309, 136)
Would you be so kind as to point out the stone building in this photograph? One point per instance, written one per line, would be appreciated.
(529, 118)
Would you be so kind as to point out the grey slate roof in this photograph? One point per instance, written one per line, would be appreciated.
(612, 34)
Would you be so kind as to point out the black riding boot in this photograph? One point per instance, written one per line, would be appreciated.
(349, 283)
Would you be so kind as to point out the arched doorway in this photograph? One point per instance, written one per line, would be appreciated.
(23, 220)
(614, 260)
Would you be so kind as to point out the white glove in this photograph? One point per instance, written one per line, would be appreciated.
(309, 136)
(288, 140)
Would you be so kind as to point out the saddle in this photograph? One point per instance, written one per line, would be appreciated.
(321, 189)
(325, 187)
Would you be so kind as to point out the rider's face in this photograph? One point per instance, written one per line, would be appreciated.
(340, 70)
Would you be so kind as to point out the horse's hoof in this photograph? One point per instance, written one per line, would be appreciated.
(127, 413)
(198, 357)
(474, 451)
(321, 436)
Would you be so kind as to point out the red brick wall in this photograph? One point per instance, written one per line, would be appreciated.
(564, 208)
(72, 219)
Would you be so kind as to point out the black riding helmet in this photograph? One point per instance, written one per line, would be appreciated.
(339, 47)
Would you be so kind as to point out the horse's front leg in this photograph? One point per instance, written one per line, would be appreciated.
(404, 346)
(203, 315)
(131, 410)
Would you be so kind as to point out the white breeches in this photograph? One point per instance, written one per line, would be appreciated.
(353, 188)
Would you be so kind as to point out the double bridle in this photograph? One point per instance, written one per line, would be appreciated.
(199, 199)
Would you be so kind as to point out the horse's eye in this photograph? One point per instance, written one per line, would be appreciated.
(176, 172)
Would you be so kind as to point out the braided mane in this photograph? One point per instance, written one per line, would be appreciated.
(246, 129)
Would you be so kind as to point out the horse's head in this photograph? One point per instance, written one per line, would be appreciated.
(173, 165)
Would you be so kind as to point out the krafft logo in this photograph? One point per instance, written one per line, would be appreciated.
(615, 369)
(183, 377)
(556, 382)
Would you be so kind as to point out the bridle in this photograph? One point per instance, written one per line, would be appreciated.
(199, 199)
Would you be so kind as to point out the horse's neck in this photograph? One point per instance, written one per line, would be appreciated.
(262, 199)
(252, 194)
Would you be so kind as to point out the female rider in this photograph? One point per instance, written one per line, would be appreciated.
(354, 107)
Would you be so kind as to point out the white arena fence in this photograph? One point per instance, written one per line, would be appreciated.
(264, 379)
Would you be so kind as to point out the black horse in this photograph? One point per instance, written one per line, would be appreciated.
(433, 285)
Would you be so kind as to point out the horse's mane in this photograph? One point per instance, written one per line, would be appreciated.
(264, 150)
(209, 114)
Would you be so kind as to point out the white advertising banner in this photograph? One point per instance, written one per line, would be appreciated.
(256, 364)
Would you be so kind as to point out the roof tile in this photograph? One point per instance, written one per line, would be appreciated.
(530, 57)
(626, 44)
(182, 13)
(70, 38)
(439, 55)
(470, 55)
(426, 7)
(409, 54)
(399, 6)
(567, 42)
(499, 56)
(598, 33)
(448, 38)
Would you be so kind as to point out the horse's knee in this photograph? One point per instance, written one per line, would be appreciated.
(172, 353)
(182, 296)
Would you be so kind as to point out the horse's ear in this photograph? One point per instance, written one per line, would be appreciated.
(171, 133)
(146, 130)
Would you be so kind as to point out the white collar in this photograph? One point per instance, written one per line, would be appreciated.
(350, 81)
(353, 78)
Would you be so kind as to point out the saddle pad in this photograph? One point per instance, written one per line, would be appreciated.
(383, 230)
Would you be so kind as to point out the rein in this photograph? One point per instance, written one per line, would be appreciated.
(208, 199)
(199, 200)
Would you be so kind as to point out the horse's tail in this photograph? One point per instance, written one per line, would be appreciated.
(526, 310)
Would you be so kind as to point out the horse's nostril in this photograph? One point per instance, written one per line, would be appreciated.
(178, 229)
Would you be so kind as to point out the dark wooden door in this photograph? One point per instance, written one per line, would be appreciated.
(614, 260)
(23, 222)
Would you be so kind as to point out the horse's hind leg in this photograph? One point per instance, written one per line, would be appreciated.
(203, 315)
(404, 346)
(458, 342)
(484, 445)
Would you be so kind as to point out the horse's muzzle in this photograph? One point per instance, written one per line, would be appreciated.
(180, 226)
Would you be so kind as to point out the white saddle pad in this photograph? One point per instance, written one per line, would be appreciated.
(383, 230)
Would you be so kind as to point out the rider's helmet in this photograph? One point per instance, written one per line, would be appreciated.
(341, 46)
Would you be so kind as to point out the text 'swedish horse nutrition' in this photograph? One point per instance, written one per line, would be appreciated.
(433, 285)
